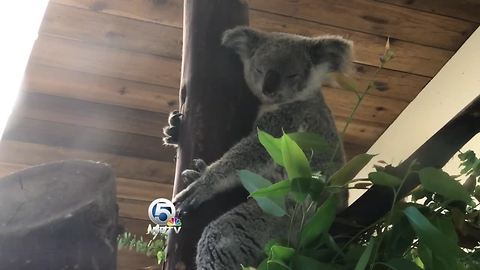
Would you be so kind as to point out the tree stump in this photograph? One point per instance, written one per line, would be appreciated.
(60, 215)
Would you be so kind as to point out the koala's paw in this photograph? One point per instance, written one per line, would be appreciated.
(190, 176)
(172, 131)
(192, 197)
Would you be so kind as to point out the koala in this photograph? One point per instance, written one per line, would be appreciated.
(285, 72)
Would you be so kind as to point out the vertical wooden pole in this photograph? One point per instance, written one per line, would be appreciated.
(218, 110)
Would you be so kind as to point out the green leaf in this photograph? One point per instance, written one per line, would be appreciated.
(402, 264)
(272, 145)
(281, 253)
(277, 189)
(363, 261)
(300, 188)
(320, 222)
(350, 170)
(252, 182)
(310, 141)
(277, 265)
(438, 181)
(429, 235)
(384, 179)
(294, 160)
(300, 262)
(317, 186)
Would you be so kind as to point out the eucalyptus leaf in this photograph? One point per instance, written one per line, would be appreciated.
(281, 253)
(300, 188)
(272, 145)
(277, 265)
(350, 170)
(365, 257)
(429, 235)
(402, 264)
(277, 189)
(438, 181)
(320, 222)
(310, 141)
(294, 160)
(384, 179)
(252, 182)
(300, 262)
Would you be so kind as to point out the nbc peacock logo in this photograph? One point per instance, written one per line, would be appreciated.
(162, 212)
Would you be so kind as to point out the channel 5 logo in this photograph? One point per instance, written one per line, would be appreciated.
(162, 212)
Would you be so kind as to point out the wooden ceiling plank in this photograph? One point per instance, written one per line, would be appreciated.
(68, 54)
(15, 152)
(409, 57)
(126, 188)
(72, 55)
(356, 15)
(90, 114)
(101, 89)
(115, 31)
(466, 9)
(378, 19)
(94, 27)
(80, 113)
(87, 138)
(106, 61)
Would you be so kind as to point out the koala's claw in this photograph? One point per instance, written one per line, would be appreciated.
(172, 131)
(199, 165)
(189, 176)
(188, 199)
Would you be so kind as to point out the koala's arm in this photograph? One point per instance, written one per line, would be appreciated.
(222, 175)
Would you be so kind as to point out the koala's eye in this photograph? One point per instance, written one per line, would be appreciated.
(293, 76)
(258, 71)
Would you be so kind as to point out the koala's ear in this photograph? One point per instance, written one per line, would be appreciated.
(335, 51)
(243, 40)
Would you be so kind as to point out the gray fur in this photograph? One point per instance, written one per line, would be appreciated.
(286, 73)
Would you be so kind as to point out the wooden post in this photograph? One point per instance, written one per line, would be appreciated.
(217, 107)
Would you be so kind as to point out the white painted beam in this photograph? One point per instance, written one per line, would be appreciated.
(451, 90)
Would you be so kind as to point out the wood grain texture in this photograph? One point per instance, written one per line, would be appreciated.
(463, 9)
(377, 18)
(100, 89)
(15, 152)
(126, 188)
(107, 61)
(84, 138)
(90, 114)
(357, 15)
(58, 53)
(115, 31)
(73, 55)
(410, 57)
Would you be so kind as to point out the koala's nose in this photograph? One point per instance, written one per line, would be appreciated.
(271, 82)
